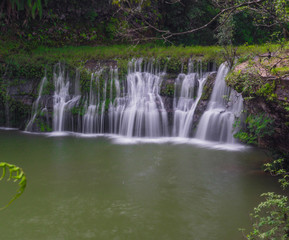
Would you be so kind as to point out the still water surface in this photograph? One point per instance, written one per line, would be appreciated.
(95, 188)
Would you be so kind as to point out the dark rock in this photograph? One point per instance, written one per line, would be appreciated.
(279, 140)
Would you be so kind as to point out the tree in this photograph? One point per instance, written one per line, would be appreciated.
(10, 9)
(267, 13)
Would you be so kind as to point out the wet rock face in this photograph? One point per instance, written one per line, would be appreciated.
(279, 140)
(201, 108)
(208, 88)
(167, 93)
(16, 99)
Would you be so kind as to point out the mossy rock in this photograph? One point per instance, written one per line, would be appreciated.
(208, 88)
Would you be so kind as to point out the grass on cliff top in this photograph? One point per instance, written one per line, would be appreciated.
(20, 54)
(79, 55)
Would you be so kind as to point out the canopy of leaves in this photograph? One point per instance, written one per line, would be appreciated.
(187, 22)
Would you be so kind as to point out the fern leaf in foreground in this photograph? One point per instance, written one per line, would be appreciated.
(17, 175)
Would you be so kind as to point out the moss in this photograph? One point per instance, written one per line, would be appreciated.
(251, 84)
(280, 70)
(17, 111)
(168, 90)
(43, 126)
(208, 88)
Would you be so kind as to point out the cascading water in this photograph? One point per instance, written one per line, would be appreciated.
(91, 116)
(216, 124)
(114, 108)
(134, 108)
(35, 106)
(186, 100)
(94, 119)
(138, 110)
(63, 101)
(141, 111)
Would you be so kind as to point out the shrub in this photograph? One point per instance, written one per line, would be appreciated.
(270, 218)
(257, 126)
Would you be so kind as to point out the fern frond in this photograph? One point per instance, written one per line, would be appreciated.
(16, 174)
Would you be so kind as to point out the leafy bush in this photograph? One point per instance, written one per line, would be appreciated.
(251, 84)
(270, 218)
(257, 126)
(279, 168)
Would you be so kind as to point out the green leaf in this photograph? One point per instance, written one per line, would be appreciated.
(15, 174)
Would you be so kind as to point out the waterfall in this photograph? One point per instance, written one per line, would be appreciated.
(140, 112)
(63, 101)
(113, 112)
(188, 92)
(130, 108)
(216, 124)
(102, 122)
(29, 126)
(91, 116)
(133, 107)
(94, 119)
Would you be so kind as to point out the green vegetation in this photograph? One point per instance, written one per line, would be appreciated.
(31, 62)
(252, 85)
(257, 126)
(282, 71)
(279, 168)
(168, 90)
(17, 175)
(94, 22)
(270, 218)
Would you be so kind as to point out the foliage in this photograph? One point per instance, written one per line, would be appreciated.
(257, 126)
(180, 16)
(139, 3)
(11, 8)
(100, 21)
(270, 218)
(274, 13)
(168, 90)
(15, 174)
(226, 30)
(279, 168)
(281, 71)
(251, 84)
(182, 21)
(269, 14)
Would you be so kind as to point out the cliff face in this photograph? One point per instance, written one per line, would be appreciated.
(18, 94)
(264, 84)
(16, 102)
(279, 139)
(263, 95)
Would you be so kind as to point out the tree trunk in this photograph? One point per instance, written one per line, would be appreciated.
(285, 34)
